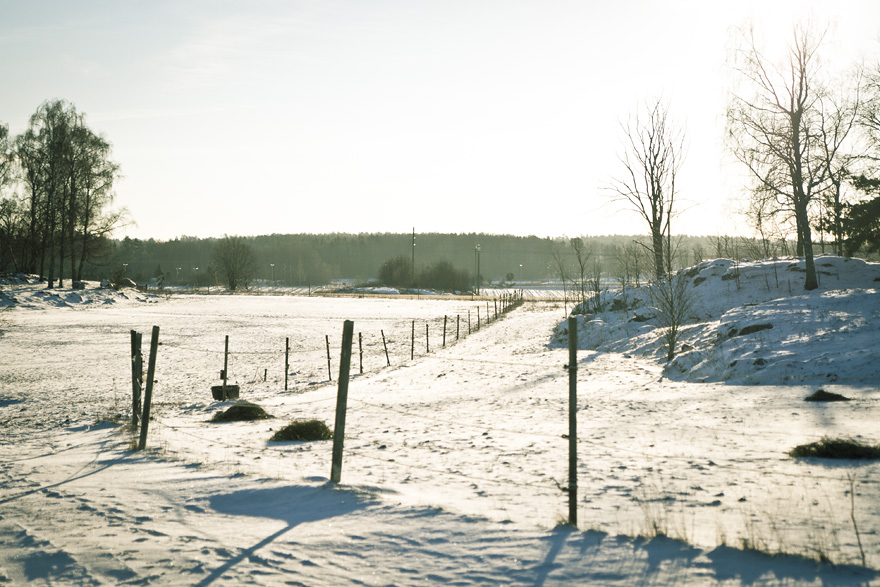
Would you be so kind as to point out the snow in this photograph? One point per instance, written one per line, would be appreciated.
(454, 460)
(752, 323)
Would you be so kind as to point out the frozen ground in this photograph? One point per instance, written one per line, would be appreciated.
(454, 460)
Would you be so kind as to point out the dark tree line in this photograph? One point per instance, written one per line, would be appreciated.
(317, 259)
(440, 275)
(56, 187)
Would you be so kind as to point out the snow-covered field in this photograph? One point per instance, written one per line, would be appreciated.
(453, 461)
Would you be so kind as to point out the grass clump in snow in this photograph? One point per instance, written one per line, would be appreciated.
(303, 430)
(243, 411)
(826, 396)
(836, 448)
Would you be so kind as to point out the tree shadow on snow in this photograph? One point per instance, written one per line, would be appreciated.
(291, 504)
(749, 567)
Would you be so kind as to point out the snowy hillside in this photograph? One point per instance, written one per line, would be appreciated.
(751, 322)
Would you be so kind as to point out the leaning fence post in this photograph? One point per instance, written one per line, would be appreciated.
(341, 401)
(385, 345)
(572, 420)
(329, 372)
(137, 375)
(148, 393)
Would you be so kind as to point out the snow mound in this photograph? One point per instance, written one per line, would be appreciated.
(27, 292)
(749, 322)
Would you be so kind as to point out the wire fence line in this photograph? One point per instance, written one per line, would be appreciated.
(374, 349)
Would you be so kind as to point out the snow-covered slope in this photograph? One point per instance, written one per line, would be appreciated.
(752, 322)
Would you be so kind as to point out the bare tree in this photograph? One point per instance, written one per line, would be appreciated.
(775, 127)
(869, 112)
(234, 261)
(673, 301)
(765, 219)
(560, 265)
(90, 218)
(652, 155)
(596, 288)
(7, 206)
(6, 159)
(582, 255)
(838, 114)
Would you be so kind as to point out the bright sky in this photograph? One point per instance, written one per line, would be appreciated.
(498, 116)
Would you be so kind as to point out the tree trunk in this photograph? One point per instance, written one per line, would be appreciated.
(657, 244)
(50, 228)
(811, 281)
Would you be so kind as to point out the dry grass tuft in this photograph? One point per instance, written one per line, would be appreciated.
(836, 448)
(242, 411)
(826, 396)
(303, 430)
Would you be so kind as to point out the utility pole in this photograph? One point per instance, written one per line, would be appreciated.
(477, 269)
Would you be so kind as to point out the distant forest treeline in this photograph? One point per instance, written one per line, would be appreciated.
(316, 259)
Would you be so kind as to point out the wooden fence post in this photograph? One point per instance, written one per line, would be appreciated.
(457, 321)
(478, 317)
(329, 372)
(286, 360)
(341, 401)
(137, 376)
(361, 351)
(427, 340)
(444, 331)
(572, 420)
(469, 321)
(412, 347)
(385, 345)
(148, 393)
